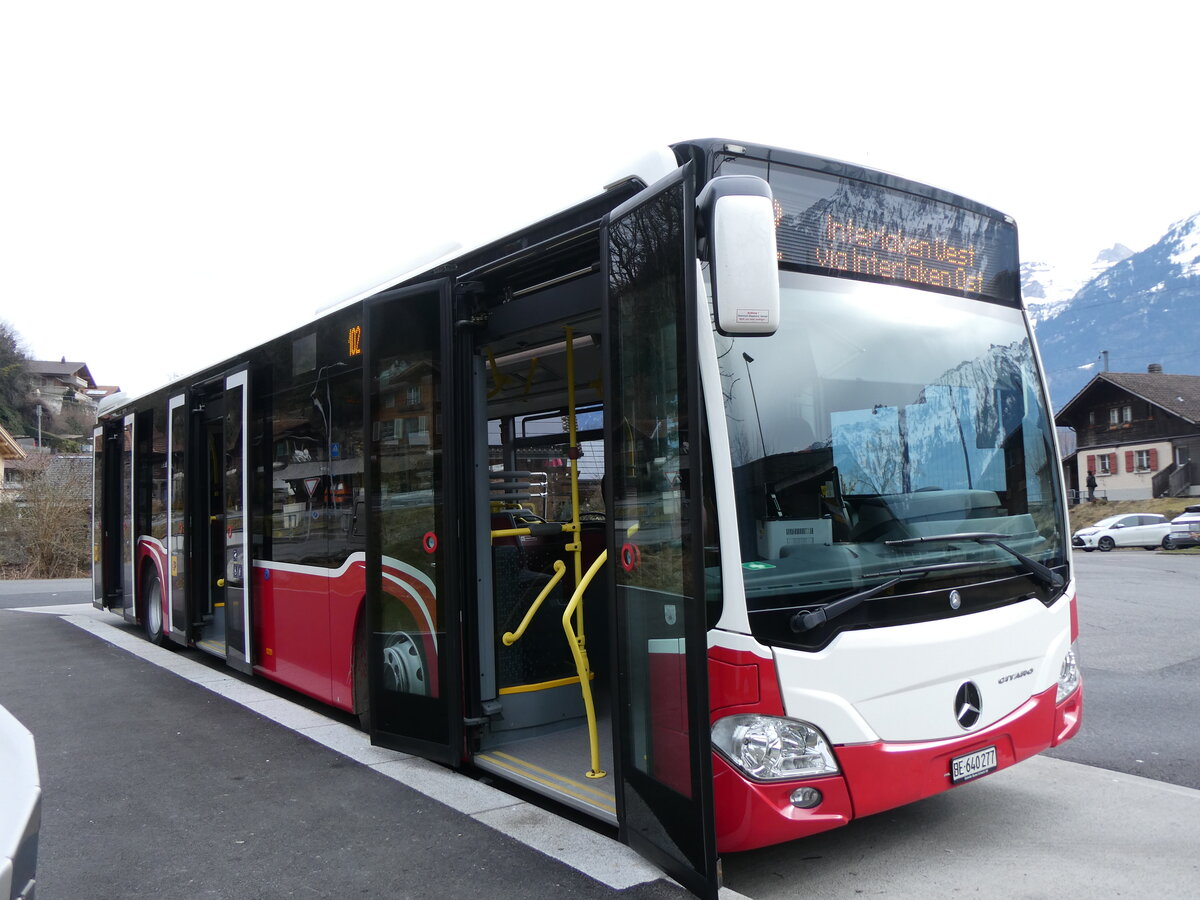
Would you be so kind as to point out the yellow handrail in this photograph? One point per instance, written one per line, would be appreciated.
(581, 662)
(510, 637)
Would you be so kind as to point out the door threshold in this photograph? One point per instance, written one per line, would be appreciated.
(556, 766)
(208, 645)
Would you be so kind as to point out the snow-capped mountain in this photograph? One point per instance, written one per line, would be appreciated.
(1048, 289)
(1142, 310)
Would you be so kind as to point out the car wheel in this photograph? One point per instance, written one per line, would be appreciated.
(1105, 544)
(1087, 549)
(1168, 544)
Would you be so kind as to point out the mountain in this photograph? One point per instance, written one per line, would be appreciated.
(1048, 289)
(1143, 309)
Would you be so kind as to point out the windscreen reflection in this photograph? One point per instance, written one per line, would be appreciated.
(879, 414)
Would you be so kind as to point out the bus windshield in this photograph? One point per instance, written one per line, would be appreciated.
(875, 415)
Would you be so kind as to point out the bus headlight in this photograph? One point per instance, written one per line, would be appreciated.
(1068, 676)
(773, 749)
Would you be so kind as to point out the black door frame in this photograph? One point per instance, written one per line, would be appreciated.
(673, 830)
(427, 726)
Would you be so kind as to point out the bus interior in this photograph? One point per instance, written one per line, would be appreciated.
(543, 644)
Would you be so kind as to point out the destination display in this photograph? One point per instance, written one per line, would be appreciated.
(854, 229)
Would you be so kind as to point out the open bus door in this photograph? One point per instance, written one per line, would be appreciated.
(236, 521)
(106, 516)
(216, 607)
(411, 632)
(652, 438)
(178, 610)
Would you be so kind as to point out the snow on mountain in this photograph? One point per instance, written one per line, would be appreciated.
(1142, 310)
(1186, 236)
(1048, 289)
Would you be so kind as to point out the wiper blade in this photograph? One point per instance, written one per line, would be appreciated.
(808, 619)
(1044, 574)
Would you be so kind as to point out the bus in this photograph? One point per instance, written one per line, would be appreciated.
(723, 507)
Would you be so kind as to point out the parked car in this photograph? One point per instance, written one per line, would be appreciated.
(1185, 530)
(1147, 530)
(20, 809)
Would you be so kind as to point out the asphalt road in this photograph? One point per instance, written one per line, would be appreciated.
(1139, 622)
(157, 787)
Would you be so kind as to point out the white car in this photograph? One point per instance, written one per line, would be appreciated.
(1130, 530)
(1185, 530)
(20, 809)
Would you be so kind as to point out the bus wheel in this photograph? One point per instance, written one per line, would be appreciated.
(152, 615)
(362, 691)
(403, 667)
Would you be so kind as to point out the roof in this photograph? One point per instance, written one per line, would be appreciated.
(1177, 394)
(70, 473)
(9, 448)
(60, 369)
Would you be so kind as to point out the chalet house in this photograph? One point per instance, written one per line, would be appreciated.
(9, 450)
(1139, 432)
(66, 394)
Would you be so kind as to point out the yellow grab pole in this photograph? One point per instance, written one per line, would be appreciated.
(576, 546)
(581, 662)
(511, 637)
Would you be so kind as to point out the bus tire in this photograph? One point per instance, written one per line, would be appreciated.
(362, 690)
(152, 611)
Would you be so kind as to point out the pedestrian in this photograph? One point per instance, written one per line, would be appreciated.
(1091, 486)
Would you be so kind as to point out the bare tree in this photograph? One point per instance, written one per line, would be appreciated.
(47, 524)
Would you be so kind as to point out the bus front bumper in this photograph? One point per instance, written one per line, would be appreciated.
(879, 776)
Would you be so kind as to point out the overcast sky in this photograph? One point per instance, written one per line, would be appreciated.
(181, 181)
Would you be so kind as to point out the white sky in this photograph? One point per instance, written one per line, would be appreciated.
(181, 181)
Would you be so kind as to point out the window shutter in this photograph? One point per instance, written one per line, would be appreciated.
(1091, 462)
(1128, 460)
(1112, 464)
(1153, 460)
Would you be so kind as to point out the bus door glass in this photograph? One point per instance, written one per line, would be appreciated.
(177, 568)
(129, 536)
(98, 517)
(236, 521)
(106, 522)
(652, 437)
(411, 636)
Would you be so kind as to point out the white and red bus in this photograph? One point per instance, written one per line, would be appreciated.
(724, 506)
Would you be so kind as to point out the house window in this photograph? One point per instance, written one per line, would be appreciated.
(1092, 417)
(1141, 460)
(1114, 416)
(414, 395)
(1103, 468)
(1126, 413)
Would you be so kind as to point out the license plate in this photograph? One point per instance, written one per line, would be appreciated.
(964, 768)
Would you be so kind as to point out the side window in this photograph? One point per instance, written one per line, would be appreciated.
(298, 451)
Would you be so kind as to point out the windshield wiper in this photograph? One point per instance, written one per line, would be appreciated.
(1044, 574)
(808, 619)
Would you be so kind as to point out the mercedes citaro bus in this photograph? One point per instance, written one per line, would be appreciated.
(723, 506)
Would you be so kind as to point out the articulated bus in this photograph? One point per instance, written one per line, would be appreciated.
(723, 506)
